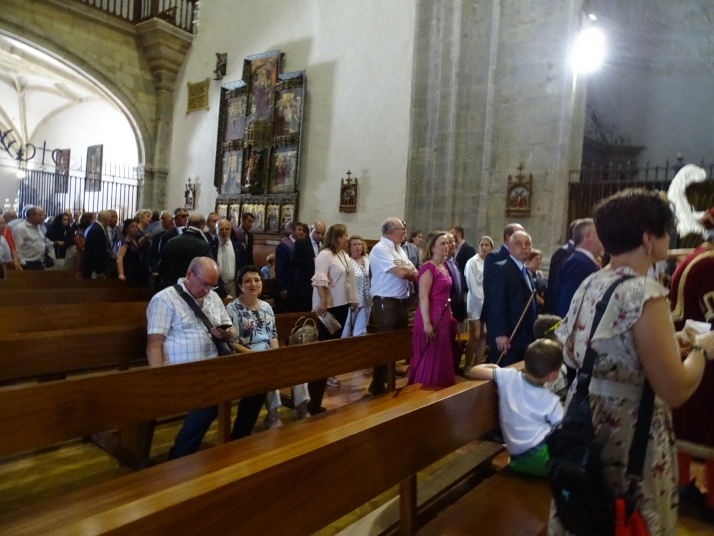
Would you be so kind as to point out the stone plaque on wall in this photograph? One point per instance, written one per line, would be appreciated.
(197, 96)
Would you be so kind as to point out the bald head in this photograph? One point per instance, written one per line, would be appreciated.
(519, 246)
(197, 220)
(103, 217)
(204, 267)
(318, 231)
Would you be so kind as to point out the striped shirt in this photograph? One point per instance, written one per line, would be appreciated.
(187, 339)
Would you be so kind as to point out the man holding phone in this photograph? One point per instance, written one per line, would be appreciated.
(177, 335)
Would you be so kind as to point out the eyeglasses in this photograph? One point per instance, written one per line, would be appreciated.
(206, 286)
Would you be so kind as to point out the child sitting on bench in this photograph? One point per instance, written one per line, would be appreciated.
(528, 411)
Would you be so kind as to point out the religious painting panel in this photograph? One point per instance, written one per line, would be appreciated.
(262, 71)
(259, 213)
(288, 111)
(234, 213)
(236, 117)
(519, 194)
(272, 217)
(232, 165)
(255, 166)
(284, 170)
(222, 210)
(287, 215)
(93, 173)
(62, 161)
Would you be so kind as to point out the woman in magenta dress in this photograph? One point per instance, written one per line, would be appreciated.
(432, 364)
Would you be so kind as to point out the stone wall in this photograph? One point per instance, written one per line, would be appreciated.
(493, 88)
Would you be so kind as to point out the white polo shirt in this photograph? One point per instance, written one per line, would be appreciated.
(382, 259)
(187, 339)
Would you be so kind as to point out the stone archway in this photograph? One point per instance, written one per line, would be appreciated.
(135, 64)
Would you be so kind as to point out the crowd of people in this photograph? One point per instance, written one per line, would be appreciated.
(497, 296)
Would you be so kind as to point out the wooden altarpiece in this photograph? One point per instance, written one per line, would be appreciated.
(258, 152)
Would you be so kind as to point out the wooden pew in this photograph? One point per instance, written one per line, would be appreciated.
(239, 487)
(17, 275)
(40, 415)
(115, 339)
(69, 295)
(52, 283)
(37, 355)
(28, 318)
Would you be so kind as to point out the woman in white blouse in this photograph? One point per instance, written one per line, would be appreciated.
(334, 290)
(473, 272)
(357, 322)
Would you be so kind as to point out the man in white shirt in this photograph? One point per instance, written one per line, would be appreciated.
(391, 272)
(30, 240)
(177, 335)
(226, 251)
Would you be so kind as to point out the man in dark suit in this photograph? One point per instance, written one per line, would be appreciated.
(456, 294)
(556, 261)
(178, 252)
(492, 258)
(510, 292)
(180, 218)
(464, 251)
(284, 276)
(167, 223)
(579, 265)
(302, 260)
(97, 247)
(245, 239)
(226, 249)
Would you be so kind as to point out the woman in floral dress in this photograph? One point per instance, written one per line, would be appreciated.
(254, 321)
(634, 340)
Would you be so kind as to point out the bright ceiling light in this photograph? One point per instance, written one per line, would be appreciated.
(20, 174)
(589, 50)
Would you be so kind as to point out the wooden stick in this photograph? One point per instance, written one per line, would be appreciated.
(513, 333)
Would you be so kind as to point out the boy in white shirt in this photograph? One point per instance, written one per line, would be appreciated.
(528, 411)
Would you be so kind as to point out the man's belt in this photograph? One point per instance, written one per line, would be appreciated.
(389, 299)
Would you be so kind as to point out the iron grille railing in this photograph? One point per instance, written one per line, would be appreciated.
(56, 192)
(180, 13)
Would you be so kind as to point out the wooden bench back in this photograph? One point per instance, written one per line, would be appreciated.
(345, 458)
(38, 354)
(43, 414)
(56, 282)
(17, 275)
(29, 318)
(35, 297)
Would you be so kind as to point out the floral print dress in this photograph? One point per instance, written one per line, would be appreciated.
(615, 393)
(255, 328)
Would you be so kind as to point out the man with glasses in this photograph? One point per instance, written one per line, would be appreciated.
(178, 252)
(176, 335)
(391, 272)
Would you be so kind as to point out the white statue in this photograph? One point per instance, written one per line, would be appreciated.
(686, 215)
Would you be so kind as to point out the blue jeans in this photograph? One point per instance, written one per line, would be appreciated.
(198, 421)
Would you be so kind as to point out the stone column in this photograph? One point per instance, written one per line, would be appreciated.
(493, 88)
(164, 46)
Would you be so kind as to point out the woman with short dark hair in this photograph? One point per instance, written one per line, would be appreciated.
(60, 232)
(635, 340)
(129, 265)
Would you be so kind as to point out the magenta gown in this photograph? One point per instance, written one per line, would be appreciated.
(433, 365)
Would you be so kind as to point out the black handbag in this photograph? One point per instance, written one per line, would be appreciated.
(584, 502)
(223, 346)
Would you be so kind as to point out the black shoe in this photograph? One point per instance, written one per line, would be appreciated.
(375, 390)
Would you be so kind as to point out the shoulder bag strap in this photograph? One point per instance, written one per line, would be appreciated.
(194, 307)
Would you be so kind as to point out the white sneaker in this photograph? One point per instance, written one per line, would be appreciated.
(332, 382)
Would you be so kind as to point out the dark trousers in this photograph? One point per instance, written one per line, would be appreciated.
(298, 304)
(317, 388)
(34, 265)
(198, 421)
(389, 315)
(280, 305)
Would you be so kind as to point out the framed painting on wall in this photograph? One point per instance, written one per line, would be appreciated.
(236, 117)
(259, 213)
(93, 173)
(234, 214)
(272, 218)
(284, 170)
(286, 215)
(232, 164)
(222, 210)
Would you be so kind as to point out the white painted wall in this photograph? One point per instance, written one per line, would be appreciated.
(357, 55)
(87, 124)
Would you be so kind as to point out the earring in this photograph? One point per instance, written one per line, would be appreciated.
(649, 252)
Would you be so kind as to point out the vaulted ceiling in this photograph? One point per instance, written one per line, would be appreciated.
(35, 87)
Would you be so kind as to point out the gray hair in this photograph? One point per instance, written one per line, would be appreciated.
(580, 229)
(389, 225)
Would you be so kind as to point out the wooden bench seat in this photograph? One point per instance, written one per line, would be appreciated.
(506, 504)
(329, 465)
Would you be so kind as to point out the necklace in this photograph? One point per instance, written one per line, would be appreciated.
(345, 264)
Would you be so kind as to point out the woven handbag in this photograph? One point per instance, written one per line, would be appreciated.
(304, 332)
